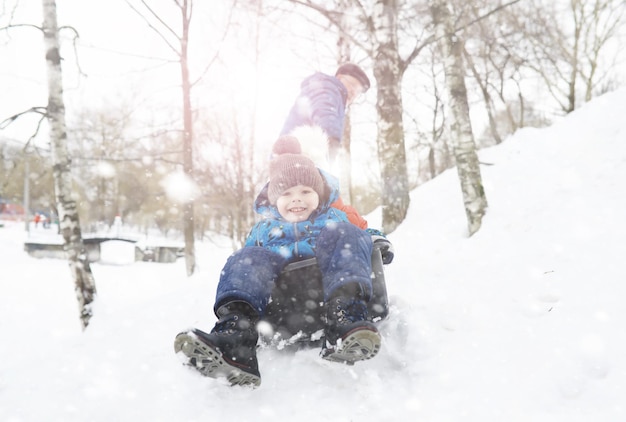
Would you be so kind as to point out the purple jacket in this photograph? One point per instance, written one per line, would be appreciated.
(322, 102)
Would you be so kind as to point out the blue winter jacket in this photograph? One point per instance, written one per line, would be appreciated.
(322, 102)
(295, 241)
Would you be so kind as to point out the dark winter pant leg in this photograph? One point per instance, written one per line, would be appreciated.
(344, 255)
(249, 276)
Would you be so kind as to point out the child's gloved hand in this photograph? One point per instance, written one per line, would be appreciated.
(386, 248)
(383, 244)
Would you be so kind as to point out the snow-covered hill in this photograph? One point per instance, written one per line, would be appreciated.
(524, 321)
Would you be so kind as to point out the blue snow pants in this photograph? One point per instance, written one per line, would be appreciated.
(343, 253)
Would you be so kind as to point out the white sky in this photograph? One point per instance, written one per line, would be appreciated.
(114, 46)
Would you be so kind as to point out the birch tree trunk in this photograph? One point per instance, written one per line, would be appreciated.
(388, 71)
(85, 286)
(463, 143)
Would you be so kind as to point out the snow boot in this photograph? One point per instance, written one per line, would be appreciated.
(229, 351)
(348, 336)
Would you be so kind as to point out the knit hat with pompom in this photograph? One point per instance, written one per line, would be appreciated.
(289, 168)
(286, 144)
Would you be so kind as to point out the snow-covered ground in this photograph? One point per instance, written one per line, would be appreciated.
(524, 321)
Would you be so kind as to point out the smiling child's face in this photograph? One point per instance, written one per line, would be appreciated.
(297, 203)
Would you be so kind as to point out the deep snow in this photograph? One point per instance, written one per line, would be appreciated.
(524, 321)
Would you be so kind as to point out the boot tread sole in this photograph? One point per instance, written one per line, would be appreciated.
(210, 362)
(363, 343)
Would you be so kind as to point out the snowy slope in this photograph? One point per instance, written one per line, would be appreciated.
(522, 322)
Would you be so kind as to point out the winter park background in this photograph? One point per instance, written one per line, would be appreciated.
(524, 321)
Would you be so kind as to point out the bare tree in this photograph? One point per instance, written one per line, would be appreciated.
(565, 44)
(461, 128)
(228, 177)
(492, 56)
(438, 155)
(389, 67)
(84, 282)
(114, 167)
(186, 7)
(160, 24)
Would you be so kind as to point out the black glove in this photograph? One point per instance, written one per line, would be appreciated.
(383, 244)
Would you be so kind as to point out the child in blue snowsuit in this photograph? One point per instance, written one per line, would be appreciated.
(298, 223)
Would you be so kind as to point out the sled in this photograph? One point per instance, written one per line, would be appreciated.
(296, 310)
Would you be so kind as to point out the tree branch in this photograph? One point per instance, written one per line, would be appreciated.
(334, 19)
(432, 39)
(40, 110)
(74, 44)
(154, 28)
(20, 25)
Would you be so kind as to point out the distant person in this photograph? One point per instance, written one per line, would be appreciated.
(322, 103)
